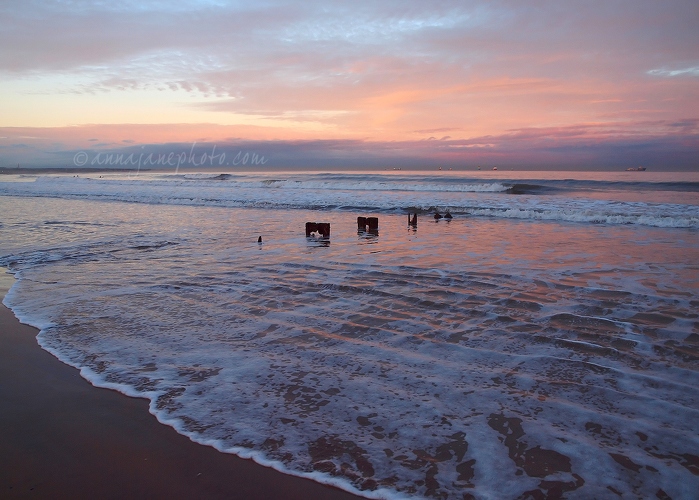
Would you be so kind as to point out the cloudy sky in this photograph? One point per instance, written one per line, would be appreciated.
(525, 84)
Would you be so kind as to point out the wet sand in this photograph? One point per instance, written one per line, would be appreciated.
(64, 438)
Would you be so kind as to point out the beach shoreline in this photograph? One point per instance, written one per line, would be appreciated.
(64, 438)
(535, 345)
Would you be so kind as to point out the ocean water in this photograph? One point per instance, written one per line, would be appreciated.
(543, 342)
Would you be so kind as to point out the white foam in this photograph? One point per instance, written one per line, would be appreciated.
(484, 199)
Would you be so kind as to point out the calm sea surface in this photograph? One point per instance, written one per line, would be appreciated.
(543, 341)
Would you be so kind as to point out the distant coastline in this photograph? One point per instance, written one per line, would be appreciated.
(64, 170)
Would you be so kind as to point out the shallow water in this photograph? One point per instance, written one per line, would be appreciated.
(486, 355)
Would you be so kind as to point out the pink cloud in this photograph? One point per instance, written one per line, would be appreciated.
(592, 145)
(377, 72)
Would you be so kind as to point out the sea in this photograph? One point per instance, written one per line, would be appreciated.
(541, 343)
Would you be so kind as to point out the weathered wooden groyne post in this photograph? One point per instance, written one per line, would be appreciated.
(368, 224)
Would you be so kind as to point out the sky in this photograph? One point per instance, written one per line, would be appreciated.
(581, 84)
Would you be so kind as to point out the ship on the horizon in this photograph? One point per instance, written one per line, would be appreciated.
(639, 169)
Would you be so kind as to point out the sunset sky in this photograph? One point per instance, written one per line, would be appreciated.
(525, 84)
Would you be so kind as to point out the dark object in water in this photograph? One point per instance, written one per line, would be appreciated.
(437, 216)
(371, 222)
(259, 240)
(413, 221)
(322, 228)
(447, 215)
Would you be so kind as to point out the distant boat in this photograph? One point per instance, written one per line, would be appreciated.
(639, 169)
(495, 168)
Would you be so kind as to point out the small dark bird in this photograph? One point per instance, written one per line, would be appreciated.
(437, 216)
(259, 240)
(447, 215)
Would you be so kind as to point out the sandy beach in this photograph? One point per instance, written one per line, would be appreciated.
(64, 438)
